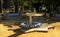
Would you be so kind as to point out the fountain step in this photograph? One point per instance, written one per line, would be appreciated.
(37, 29)
(44, 29)
(33, 25)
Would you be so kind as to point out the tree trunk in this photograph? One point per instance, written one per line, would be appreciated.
(16, 6)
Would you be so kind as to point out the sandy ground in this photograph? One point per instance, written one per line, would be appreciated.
(51, 33)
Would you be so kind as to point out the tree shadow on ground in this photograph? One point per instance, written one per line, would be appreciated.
(21, 31)
(18, 31)
(50, 21)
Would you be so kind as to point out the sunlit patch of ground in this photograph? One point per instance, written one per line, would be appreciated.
(4, 31)
(51, 33)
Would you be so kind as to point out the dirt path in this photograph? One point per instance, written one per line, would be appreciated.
(51, 33)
